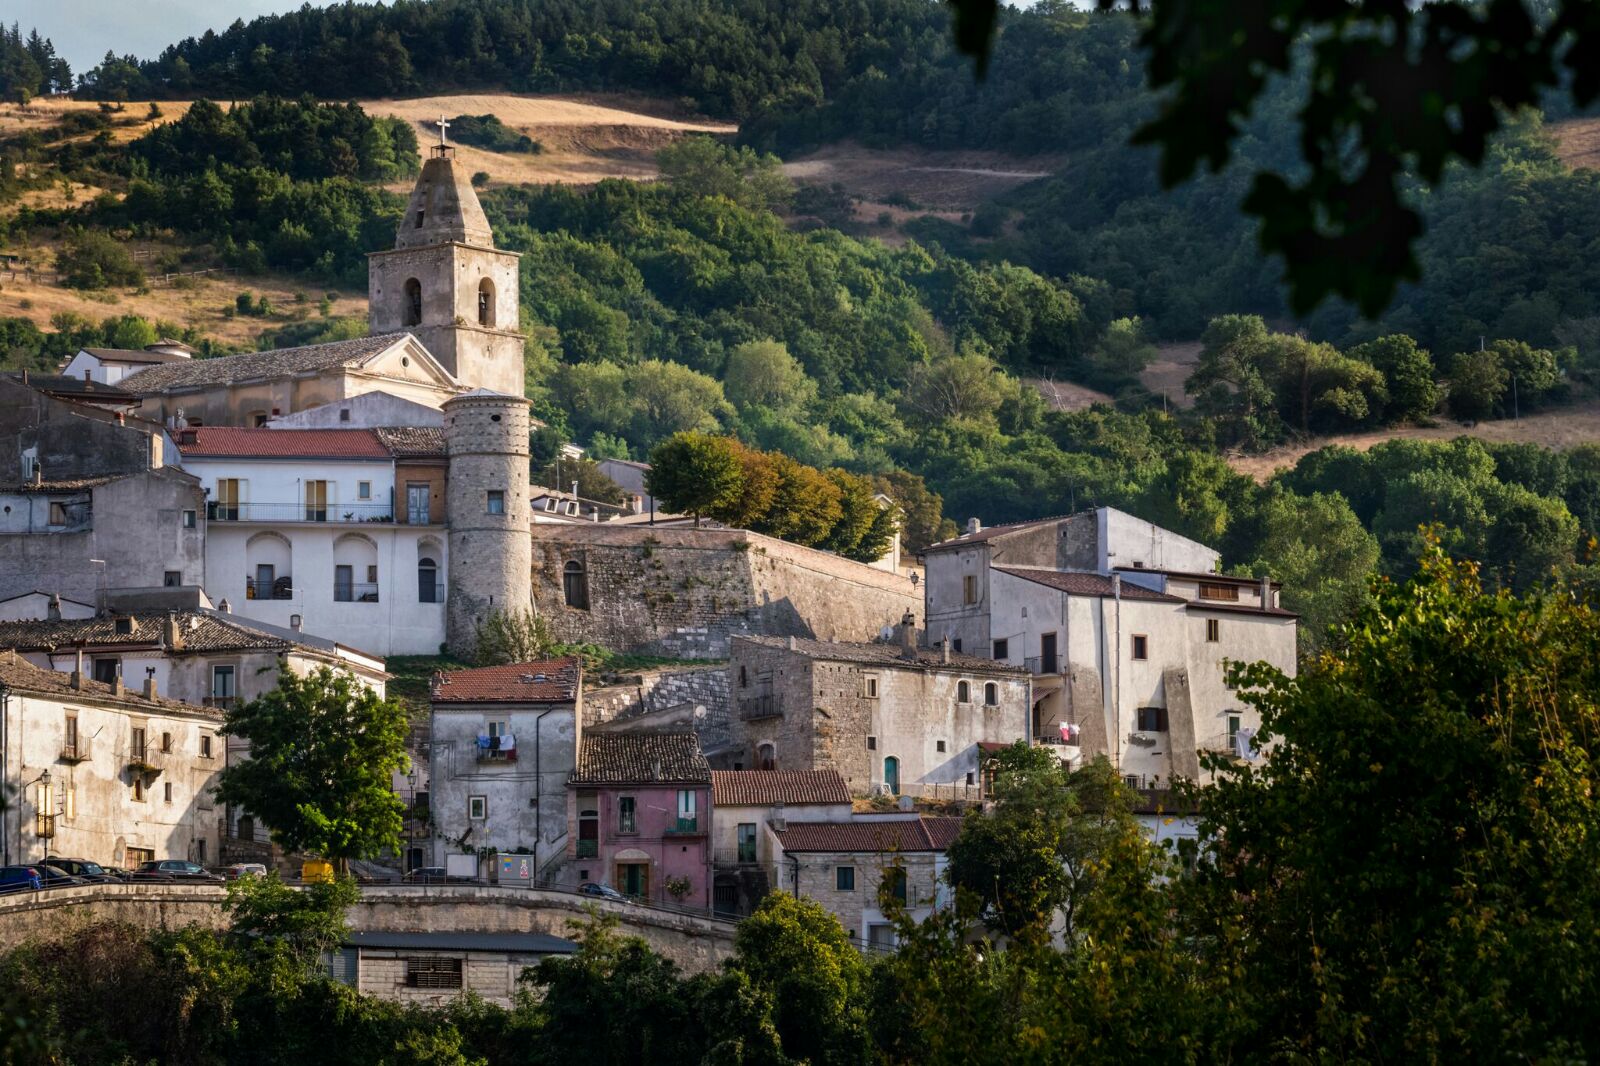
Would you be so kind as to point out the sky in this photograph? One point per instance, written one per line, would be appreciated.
(83, 30)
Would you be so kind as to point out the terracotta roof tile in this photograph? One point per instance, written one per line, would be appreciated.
(550, 681)
(282, 362)
(412, 442)
(923, 833)
(764, 788)
(17, 673)
(883, 655)
(1085, 583)
(237, 442)
(201, 632)
(641, 758)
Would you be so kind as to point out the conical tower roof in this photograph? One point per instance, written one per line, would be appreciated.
(443, 208)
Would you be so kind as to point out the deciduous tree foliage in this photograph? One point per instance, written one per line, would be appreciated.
(323, 752)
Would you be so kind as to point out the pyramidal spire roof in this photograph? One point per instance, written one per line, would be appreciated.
(443, 207)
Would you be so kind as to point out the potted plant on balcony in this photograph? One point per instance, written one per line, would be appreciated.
(678, 887)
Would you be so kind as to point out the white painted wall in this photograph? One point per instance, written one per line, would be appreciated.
(399, 623)
(1125, 540)
(274, 490)
(366, 411)
(31, 606)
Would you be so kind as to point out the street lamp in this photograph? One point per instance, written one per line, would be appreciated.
(45, 816)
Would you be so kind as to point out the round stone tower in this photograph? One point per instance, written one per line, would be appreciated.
(486, 506)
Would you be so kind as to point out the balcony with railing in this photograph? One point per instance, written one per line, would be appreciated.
(588, 849)
(686, 827)
(280, 588)
(147, 759)
(1043, 666)
(77, 749)
(221, 703)
(754, 708)
(430, 592)
(342, 513)
(355, 592)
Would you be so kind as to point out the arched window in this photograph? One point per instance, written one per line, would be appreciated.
(963, 692)
(355, 569)
(766, 757)
(575, 585)
(413, 304)
(891, 775)
(991, 694)
(428, 590)
(268, 567)
(486, 303)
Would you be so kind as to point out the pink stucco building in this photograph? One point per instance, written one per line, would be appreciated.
(642, 805)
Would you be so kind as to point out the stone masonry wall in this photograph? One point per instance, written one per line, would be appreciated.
(660, 690)
(684, 592)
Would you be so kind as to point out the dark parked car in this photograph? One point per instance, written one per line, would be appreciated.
(174, 870)
(53, 876)
(591, 888)
(20, 878)
(92, 872)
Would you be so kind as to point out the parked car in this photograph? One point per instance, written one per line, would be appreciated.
(592, 888)
(20, 879)
(92, 872)
(174, 870)
(243, 869)
(53, 876)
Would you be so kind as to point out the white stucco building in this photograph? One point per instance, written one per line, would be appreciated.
(336, 531)
(1126, 629)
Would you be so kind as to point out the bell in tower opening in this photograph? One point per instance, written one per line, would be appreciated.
(445, 282)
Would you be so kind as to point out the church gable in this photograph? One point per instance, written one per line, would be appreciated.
(410, 361)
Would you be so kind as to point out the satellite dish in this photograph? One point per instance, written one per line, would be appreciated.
(886, 634)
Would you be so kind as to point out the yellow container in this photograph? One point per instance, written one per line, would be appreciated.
(316, 870)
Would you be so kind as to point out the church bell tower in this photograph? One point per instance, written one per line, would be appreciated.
(446, 283)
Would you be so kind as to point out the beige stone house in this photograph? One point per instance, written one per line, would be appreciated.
(744, 804)
(890, 717)
(104, 773)
(843, 865)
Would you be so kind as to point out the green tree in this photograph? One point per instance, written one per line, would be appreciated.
(1438, 931)
(1408, 370)
(512, 636)
(1478, 384)
(694, 473)
(668, 398)
(1318, 549)
(805, 505)
(323, 750)
(305, 922)
(701, 166)
(764, 374)
(923, 521)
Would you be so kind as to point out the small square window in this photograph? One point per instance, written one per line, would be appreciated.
(1002, 649)
(364, 490)
(477, 808)
(188, 520)
(1152, 719)
(166, 742)
(372, 574)
(496, 501)
(344, 414)
(1141, 646)
(172, 578)
(1213, 630)
(138, 788)
(205, 745)
(955, 645)
(939, 745)
(872, 743)
(869, 687)
(58, 514)
(167, 791)
(844, 878)
(969, 588)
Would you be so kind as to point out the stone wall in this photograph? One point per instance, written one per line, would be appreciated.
(684, 592)
(656, 691)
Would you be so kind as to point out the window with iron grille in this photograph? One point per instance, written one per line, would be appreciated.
(431, 972)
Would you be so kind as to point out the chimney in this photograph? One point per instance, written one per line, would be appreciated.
(1266, 593)
(116, 685)
(638, 504)
(792, 645)
(908, 636)
(86, 376)
(778, 821)
(973, 526)
(150, 683)
(77, 670)
(225, 607)
(1116, 586)
(38, 472)
(595, 513)
(53, 612)
(295, 622)
(944, 649)
(171, 633)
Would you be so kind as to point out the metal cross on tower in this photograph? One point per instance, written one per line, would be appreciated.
(443, 125)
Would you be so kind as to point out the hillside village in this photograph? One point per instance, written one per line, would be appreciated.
(178, 531)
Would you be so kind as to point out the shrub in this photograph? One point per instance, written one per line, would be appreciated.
(93, 260)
